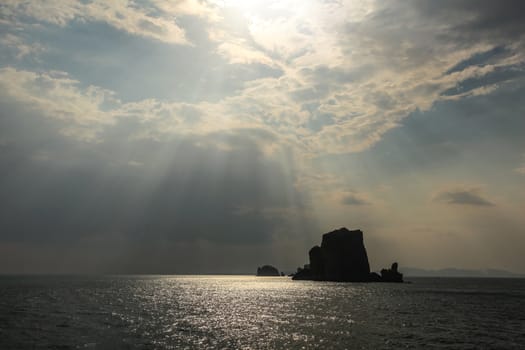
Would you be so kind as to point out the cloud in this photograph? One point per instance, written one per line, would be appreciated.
(185, 188)
(239, 52)
(184, 122)
(335, 77)
(497, 75)
(85, 113)
(19, 46)
(472, 19)
(470, 196)
(479, 59)
(161, 170)
(57, 96)
(423, 49)
(122, 15)
(354, 199)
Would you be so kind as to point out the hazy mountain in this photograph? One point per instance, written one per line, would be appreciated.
(455, 272)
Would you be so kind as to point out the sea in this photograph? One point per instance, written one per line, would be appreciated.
(247, 312)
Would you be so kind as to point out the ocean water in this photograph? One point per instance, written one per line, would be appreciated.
(244, 312)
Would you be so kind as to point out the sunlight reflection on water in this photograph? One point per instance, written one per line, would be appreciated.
(210, 312)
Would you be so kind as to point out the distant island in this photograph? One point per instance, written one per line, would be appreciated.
(458, 272)
(267, 270)
(342, 257)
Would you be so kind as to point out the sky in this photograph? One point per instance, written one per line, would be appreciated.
(217, 136)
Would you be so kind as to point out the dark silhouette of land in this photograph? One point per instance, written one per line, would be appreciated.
(342, 258)
(267, 270)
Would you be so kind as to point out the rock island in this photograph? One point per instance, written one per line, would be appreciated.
(267, 270)
(342, 258)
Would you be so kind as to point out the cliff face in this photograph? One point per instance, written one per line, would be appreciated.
(342, 257)
(316, 263)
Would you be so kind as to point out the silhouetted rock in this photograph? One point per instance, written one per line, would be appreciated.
(316, 263)
(374, 277)
(342, 257)
(303, 274)
(391, 275)
(267, 270)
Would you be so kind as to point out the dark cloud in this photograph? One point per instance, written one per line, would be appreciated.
(405, 34)
(478, 132)
(463, 196)
(487, 19)
(219, 187)
(353, 199)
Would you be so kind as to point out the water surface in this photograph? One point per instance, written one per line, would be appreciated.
(244, 312)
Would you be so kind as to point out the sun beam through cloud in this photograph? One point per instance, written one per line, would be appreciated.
(259, 122)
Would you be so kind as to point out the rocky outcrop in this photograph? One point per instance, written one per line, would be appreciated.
(267, 270)
(304, 273)
(316, 262)
(391, 274)
(342, 257)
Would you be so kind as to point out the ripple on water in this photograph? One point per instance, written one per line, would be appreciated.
(211, 312)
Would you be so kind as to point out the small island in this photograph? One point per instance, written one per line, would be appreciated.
(267, 270)
(342, 257)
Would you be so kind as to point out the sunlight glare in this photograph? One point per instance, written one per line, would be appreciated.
(250, 6)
